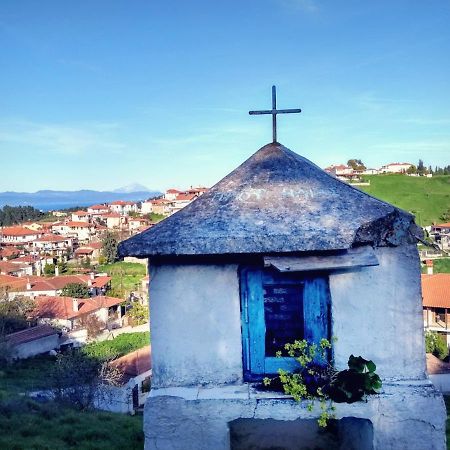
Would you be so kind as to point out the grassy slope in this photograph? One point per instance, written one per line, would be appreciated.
(439, 266)
(26, 424)
(126, 277)
(427, 197)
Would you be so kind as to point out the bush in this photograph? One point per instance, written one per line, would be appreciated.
(436, 344)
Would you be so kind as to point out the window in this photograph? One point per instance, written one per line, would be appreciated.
(278, 308)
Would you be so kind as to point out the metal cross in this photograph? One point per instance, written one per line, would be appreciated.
(274, 111)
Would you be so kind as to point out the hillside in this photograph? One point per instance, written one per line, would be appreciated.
(426, 198)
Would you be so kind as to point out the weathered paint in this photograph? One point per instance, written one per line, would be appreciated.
(377, 313)
(314, 301)
(276, 201)
(195, 325)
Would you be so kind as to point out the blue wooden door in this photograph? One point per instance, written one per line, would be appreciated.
(278, 308)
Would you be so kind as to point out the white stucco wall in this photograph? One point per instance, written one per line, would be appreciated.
(36, 347)
(195, 324)
(377, 313)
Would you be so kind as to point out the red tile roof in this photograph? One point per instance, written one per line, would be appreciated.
(436, 290)
(6, 252)
(84, 251)
(30, 334)
(18, 231)
(98, 207)
(7, 267)
(78, 224)
(62, 307)
(173, 191)
(80, 213)
(183, 197)
(51, 238)
(442, 225)
(135, 363)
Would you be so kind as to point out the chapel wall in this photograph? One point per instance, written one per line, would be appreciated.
(377, 313)
(195, 324)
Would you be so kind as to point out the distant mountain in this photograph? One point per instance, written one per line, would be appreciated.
(130, 188)
(52, 200)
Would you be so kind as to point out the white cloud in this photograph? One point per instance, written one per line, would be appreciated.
(61, 139)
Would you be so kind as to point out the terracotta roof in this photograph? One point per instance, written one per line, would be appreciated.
(183, 197)
(98, 207)
(48, 307)
(96, 245)
(112, 215)
(81, 213)
(18, 231)
(51, 238)
(436, 290)
(442, 225)
(173, 191)
(30, 334)
(6, 252)
(84, 251)
(79, 224)
(275, 202)
(122, 203)
(135, 363)
(7, 267)
(436, 366)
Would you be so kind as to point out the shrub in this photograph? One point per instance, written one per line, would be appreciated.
(436, 344)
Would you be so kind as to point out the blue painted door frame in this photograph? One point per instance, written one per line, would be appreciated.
(314, 299)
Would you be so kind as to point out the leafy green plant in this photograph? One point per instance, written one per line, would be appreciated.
(436, 344)
(353, 384)
(317, 380)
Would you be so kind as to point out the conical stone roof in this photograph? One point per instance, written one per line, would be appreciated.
(275, 202)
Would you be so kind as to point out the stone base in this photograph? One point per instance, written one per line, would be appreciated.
(406, 415)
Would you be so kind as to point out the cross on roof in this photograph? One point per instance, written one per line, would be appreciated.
(274, 111)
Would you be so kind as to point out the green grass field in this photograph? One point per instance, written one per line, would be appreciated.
(28, 425)
(426, 198)
(126, 277)
(439, 266)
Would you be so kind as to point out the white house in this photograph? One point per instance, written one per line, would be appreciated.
(18, 235)
(123, 207)
(395, 168)
(171, 194)
(238, 273)
(98, 209)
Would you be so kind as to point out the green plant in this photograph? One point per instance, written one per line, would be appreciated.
(353, 384)
(76, 290)
(318, 380)
(436, 344)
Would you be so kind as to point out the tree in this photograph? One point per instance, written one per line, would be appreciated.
(109, 247)
(14, 314)
(76, 290)
(49, 269)
(421, 168)
(356, 164)
(138, 314)
(81, 380)
(411, 169)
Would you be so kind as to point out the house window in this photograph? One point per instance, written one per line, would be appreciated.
(278, 308)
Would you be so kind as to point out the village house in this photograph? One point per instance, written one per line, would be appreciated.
(181, 200)
(136, 223)
(146, 207)
(161, 206)
(134, 386)
(33, 341)
(441, 235)
(98, 209)
(33, 286)
(395, 167)
(53, 245)
(171, 194)
(9, 252)
(70, 312)
(91, 251)
(436, 301)
(278, 232)
(114, 221)
(81, 216)
(123, 207)
(83, 231)
(14, 269)
(18, 235)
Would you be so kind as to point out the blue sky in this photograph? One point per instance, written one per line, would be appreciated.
(103, 93)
